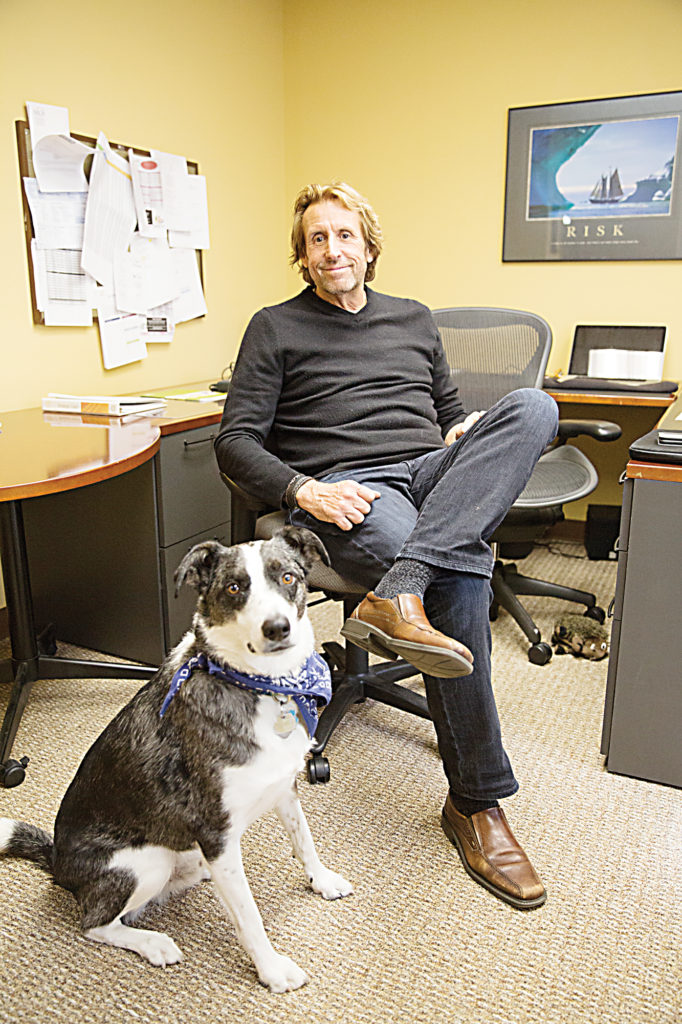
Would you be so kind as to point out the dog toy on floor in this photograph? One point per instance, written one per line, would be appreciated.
(580, 636)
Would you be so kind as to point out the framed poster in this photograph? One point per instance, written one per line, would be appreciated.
(595, 180)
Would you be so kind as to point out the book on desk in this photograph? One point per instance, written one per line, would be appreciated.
(101, 405)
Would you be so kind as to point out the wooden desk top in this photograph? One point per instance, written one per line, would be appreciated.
(43, 453)
(613, 398)
(636, 470)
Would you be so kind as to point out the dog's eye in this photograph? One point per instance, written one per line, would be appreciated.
(233, 588)
(288, 578)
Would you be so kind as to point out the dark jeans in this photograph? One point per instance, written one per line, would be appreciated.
(441, 508)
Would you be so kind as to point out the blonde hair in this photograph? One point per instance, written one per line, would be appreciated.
(338, 192)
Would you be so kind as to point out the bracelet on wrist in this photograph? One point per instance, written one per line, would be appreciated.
(293, 488)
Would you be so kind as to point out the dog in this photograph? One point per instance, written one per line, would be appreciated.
(162, 798)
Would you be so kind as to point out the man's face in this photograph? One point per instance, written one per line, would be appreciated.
(336, 253)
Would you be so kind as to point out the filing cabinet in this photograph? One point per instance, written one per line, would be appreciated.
(102, 557)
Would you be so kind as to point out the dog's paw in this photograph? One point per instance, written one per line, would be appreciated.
(280, 974)
(330, 885)
(159, 949)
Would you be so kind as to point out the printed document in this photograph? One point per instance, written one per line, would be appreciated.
(64, 292)
(58, 217)
(197, 213)
(109, 214)
(143, 275)
(120, 334)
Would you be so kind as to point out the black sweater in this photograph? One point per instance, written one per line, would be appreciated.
(317, 389)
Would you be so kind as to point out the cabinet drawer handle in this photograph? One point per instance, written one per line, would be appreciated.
(203, 440)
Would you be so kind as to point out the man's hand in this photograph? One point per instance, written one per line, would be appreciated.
(454, 433)
(345, 503)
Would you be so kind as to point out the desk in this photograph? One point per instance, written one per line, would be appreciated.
(635, 413)
(643, 709)
(93, 513)
(627, 399)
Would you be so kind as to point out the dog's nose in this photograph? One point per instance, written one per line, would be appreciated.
(276, 629)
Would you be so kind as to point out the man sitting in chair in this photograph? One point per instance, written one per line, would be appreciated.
(368, 445)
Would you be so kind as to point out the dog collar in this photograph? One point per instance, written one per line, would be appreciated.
(308, 687)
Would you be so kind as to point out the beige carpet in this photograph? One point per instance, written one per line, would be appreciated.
(419, 941)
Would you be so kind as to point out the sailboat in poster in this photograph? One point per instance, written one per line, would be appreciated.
(608, 189)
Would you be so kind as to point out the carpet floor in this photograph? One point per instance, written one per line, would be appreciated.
(419, 940)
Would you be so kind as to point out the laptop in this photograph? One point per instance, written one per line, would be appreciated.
(615, 358)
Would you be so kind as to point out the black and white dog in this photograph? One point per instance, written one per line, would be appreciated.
(211, 743)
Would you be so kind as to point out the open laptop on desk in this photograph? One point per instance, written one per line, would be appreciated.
(615, 358)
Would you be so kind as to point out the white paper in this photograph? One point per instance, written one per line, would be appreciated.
(63, 290)
(197, 209)
(190, 302)
(144, 276)
(58, 163)
(45, 119)
(176, 197)
(109, 214)
(159, 324)
(148, 193)
(625, 364)
(120, 335)
(58, 217)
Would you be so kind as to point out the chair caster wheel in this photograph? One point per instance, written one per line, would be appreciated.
(540, 654)
(596, 613)
(13, 773)
(318, 769)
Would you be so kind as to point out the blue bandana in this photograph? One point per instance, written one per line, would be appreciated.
(310, 685)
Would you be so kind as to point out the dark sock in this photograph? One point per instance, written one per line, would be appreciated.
(406, 576)
(469, 807)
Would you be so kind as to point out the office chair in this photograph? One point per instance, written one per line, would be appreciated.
(353, 679)
(492, 352)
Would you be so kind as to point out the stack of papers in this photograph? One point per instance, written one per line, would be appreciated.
(123, 243)
(101, 405)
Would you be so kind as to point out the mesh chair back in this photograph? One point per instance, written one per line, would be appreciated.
(493, 351)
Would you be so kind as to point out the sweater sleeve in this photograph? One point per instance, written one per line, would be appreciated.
(249, 414)
(449, 408)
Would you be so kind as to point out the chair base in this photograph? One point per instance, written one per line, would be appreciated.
(353, 681)
(508, 584)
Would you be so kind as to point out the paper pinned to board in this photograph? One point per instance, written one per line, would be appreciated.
(625, 364)
(144, 276)
(58, 217)
(64, 293)
(109, 214)
(57, 158)
(58, 161)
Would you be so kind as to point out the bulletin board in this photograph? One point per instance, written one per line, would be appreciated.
(26, 170)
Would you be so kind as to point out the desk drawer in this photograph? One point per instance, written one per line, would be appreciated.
(191, 496)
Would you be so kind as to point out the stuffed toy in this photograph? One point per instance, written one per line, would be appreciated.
(580, 636)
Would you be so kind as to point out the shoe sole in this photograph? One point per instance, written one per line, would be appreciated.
(514, 901)
(434, 661)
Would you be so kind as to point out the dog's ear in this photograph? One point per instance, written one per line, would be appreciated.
(307, 545)
(197, 566)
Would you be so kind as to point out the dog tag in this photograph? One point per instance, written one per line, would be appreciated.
(287, 719)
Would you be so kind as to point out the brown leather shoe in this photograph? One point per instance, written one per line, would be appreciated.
(492, 856)
(397, 627)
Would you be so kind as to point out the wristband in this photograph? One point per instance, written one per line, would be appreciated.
(293, 488)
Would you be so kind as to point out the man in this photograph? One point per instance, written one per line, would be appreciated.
(342, 411)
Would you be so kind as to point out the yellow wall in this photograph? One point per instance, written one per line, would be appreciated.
(201, 79)
(408, 101)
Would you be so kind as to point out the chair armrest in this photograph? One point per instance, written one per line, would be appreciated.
(600, 430)
(249, 501)
(246, 509)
